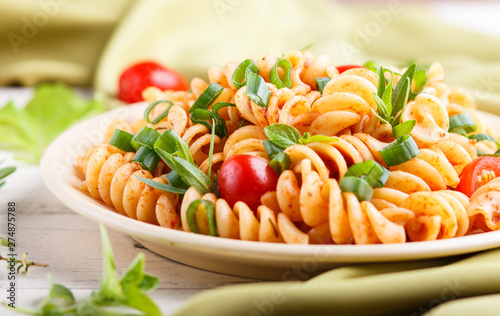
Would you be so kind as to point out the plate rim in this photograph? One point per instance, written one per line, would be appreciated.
(87, 206)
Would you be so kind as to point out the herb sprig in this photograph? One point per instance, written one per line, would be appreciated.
(391, 101)
(24, 262)
(127, 292)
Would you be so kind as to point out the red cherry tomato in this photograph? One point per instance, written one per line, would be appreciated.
(146, 74)
(477, 173)
(246, 178)
(343, 68)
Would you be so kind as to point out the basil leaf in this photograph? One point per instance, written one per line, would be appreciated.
(282, 135)
(271, 149)
(403, 129)
(320, 139)
(58, 291)
(321, 83)
(162, 186)
(280, 162)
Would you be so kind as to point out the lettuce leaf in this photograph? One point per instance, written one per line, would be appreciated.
(53, 109)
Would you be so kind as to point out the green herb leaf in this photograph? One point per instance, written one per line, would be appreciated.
(282, 135)
(387, 96)
(271, 149)
(320, 139)
(280, 162)
(53, 109)
(176, 181)
(162, 186)
(149, 282)
(371, 171)
(211, 150)
(409, 73)
(381, 82)
(401, 101)
(403, 129)
(109, 287)
(321, 83)
(257, 90)
(138, 300)
(420, 79)
(383, 111)
(134, 273)
(172, 143)
(307, 47)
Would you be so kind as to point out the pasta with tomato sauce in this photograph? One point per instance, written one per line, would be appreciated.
(338, 155)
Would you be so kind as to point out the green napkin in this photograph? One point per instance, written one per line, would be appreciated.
(407, 288)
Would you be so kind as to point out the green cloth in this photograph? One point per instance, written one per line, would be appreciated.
(408, 288)
(90, 42)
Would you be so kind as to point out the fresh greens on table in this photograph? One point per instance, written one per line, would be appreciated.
(5, 172)
(53, 108)
(127, 293)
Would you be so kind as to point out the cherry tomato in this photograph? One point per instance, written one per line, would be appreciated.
(146, 74)
(343, 68)
(477, 173)
(246, 178)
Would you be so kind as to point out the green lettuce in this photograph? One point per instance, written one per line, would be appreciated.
(53, 109)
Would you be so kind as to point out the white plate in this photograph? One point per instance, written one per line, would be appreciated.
(236, 257)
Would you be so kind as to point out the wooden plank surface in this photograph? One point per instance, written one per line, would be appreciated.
(70, 244)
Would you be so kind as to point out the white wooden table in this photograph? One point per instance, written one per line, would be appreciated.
(70, 243)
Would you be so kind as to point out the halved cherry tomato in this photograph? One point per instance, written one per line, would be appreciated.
(343, 68)
(246, 178)
(477, 173)
(146, 74)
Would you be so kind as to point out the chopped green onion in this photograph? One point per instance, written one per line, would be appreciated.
(361, 189)
(372, 172)
(172, 143)
(257, 90)
(211, 150)
(204, 116)
(321, 83)
(241, 72)
(400, 151)
(207, 97)
(147, 136)
(481, 137)
(176, 181)
(121, 140)
(162, 186)
(275, 78)
(159, 117)
(462, 121)
(147, 158)
(280, 162)
(210, 211)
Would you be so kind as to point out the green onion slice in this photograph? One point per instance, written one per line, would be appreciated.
(257, 90)
(207, 97)
(358, 186)
(241, 72)
(481, 137)
(159, 117)
(400, 151)
(280, 162)
(191, 216)
(162, 186)
(463, 121)
(286, 65)
(121, 140)
(176, 181)
(211, 150)
(147, 158)
(321, 83)
(147, 136)
(372, 172)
